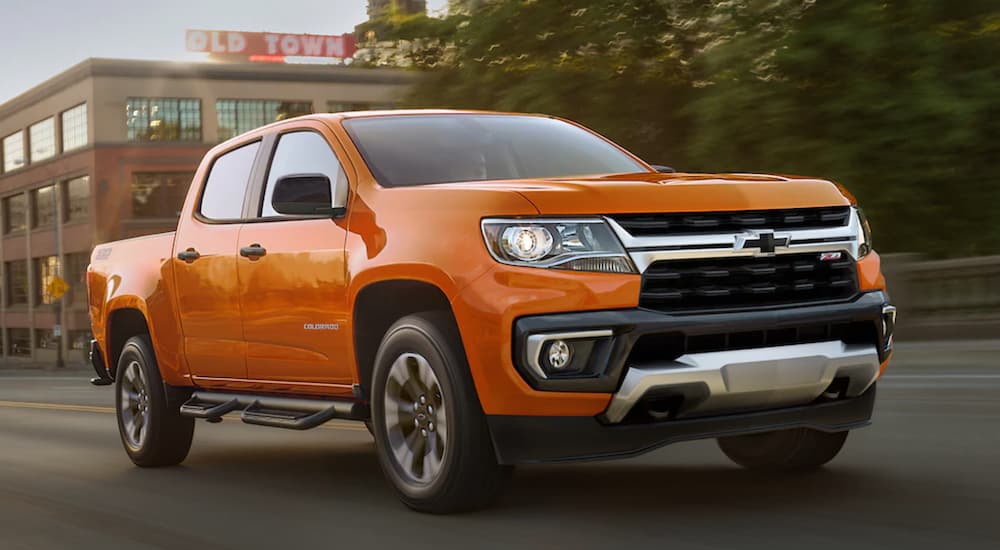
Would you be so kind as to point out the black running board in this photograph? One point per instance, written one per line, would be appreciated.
(278, 412)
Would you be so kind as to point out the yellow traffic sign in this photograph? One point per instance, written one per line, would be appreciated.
(57, 287)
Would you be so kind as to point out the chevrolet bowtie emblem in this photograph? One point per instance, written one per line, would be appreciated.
(764, 241)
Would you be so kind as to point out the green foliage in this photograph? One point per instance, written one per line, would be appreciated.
(899, 100)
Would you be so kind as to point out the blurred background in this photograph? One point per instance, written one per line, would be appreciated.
(107, 106)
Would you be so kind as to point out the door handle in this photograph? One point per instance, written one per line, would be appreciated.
(253, 251)
(188, 255)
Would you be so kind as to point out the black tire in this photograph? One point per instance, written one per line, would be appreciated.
(466, 476)
(371, 429)
(168, 435)
(798, 449)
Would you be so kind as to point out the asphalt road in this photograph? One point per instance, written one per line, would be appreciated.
(926, 474)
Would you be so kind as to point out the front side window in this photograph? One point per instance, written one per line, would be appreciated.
(163, 119)
(76, 197)
(13, 152)
(42, 137)
(74, 128)
(15, 216)
(304, 153)
(424, 149)
(227, 182)
(17, 282)
(238, 116)
(43, 206)
(159, 194)
(46, 269)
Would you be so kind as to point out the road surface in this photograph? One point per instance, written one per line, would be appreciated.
(925, 475)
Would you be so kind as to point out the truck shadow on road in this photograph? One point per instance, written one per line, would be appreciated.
(350, 474)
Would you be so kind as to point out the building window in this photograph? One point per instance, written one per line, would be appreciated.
(80, 339)
(344, 106)
(163, 119)
(42, 137)
(43, 206)
(13, 152)
(236, 116)
(76, 275)
(45, 339)
(46, 269)
(20, 342)
(74, 128)
(160, 194)
(14, 213)
(76, 199)
(17, 282)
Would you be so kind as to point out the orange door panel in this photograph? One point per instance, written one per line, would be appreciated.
(208, 299)
(293, 299)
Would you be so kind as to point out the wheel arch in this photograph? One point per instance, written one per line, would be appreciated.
(379, 304)
(123, 323)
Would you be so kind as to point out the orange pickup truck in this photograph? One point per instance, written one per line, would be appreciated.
(485, 290)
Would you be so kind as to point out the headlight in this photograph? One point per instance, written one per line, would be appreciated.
(577, 245)
(864, 233)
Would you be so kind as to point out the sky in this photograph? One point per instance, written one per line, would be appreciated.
(41, 38)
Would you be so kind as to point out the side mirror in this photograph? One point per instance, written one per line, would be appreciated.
(304, 195)
(663, 169)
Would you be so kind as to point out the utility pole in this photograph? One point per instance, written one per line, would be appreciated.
(58, 329)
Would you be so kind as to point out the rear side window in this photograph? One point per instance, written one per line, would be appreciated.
(227, 184)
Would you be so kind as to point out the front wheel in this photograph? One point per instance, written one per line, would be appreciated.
(430, 431)
(151, 427)
(795, 449)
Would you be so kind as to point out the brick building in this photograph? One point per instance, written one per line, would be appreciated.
(106, 150)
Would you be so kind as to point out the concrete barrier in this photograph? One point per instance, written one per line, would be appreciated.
(945, 299)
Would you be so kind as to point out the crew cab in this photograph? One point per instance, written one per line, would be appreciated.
(485, 290)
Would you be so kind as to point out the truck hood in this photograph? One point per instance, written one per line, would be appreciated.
(657, 192)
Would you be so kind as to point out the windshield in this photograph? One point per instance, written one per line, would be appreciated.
(423, 149)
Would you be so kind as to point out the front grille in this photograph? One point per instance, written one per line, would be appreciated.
(732, 283)
(649, 225)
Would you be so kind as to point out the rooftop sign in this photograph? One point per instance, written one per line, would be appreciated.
(270, 45)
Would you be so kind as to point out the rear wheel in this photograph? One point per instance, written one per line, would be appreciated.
(430, 432)
(151, 427)
(789, 450)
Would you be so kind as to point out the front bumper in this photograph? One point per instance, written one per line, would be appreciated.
(679, 366)
(534, 439)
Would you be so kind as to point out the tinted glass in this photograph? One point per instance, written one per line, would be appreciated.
(77, 198)
(415, 150)
(15, 213)
(17, 282)
(304, 153)
(43, 206)
(222, 198)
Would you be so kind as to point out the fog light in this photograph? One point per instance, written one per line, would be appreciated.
(560, 354)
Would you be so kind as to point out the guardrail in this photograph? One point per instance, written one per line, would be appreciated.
(945, 298)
